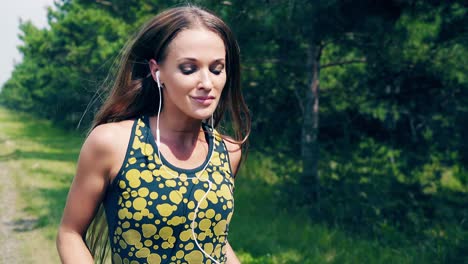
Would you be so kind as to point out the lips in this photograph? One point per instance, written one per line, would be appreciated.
(204, 100)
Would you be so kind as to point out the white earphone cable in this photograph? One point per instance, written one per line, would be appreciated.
(158, 144)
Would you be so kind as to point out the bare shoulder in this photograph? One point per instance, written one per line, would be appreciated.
(106, 137)
(96, 162)
(235, 153)
(107, 145)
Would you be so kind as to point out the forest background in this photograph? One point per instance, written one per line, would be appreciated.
(359, 108)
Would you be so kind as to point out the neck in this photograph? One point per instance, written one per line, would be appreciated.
(179, 133)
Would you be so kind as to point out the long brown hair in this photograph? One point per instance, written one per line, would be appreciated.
(134, 92)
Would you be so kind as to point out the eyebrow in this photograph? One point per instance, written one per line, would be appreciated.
(193, 59)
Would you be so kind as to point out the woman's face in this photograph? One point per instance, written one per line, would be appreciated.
(193, 74)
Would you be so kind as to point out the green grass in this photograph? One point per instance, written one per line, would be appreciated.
(42, 159)
(263, 232)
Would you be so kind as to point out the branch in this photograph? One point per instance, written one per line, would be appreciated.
(339, 63)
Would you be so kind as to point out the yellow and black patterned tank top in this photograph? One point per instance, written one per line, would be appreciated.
(150, 205)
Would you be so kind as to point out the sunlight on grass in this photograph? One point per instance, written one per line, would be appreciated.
(264, 232)
(42, 159)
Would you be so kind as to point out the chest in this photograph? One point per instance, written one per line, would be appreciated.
(166, 195)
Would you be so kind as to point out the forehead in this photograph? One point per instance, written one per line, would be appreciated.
(197, 43)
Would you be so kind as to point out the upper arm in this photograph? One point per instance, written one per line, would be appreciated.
(231, 255)
(235, 154)
(90, 181)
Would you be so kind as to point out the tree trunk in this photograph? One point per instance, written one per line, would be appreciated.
(310, 148)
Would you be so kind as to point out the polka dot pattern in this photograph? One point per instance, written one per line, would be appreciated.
(151, 204)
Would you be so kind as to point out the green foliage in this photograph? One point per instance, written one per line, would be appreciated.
(266, 228)
(393, 109)
(370, 189)
(64, 64)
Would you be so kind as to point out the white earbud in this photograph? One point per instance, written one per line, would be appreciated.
(157, 79)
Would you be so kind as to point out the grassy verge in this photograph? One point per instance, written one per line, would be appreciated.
(263, 232)
(42, 160)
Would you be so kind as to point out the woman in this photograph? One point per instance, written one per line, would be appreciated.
(164, 176)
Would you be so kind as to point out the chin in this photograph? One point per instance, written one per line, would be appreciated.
(203, 114)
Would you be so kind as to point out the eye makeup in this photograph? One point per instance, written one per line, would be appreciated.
(217, 68)
(189, 68)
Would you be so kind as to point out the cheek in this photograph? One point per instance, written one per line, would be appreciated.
(184, 83)
(221, 81)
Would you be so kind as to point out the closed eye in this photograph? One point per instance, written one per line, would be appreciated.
(217, 68)
(187, 68)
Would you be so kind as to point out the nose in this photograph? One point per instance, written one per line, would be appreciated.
(205, 80)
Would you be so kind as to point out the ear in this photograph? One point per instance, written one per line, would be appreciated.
(154, 67)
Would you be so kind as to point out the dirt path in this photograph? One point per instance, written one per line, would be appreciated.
(20, 240)
(8, 201)
(27, 224)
